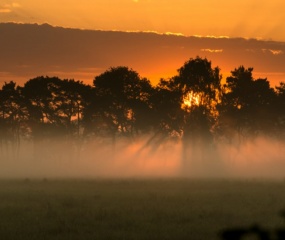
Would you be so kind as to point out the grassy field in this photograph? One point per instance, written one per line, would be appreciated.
(136, 208)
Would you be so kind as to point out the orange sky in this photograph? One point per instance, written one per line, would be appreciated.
(259, 19)
(239, 18)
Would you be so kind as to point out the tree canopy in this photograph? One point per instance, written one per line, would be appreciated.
(193, 106)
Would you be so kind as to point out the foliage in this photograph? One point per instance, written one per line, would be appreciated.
(122, 100)
(192, 106)
(248, 105)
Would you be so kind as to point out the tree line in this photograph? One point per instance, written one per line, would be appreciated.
(194, 106)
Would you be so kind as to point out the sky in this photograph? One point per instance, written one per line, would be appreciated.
(238, 18)
(247, 19)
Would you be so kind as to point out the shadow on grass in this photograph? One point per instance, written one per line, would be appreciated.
(254, 232)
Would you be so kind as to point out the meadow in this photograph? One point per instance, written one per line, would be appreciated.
(169, 208)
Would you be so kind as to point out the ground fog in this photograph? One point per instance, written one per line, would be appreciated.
(258, 158)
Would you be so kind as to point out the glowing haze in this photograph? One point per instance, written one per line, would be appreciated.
(243, 18)
(260, 158)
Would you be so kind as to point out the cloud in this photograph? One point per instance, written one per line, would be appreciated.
(276, 52)
(8, 8)
(172, 33)
(212, 50)
(272, 51)
(211, 36)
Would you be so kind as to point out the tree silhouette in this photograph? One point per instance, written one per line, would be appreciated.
(191, 107)
(246, 106)
(122, 102)
(198, 85)
(38, 100)
(55, 109)
(69, 101)
(165, 115)
(13, 117)
(279, 108)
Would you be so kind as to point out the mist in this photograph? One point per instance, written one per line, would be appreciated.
(141, 158)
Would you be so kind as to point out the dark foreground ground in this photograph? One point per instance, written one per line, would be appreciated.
(137, 209)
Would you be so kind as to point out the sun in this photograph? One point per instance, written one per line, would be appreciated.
(191, 99)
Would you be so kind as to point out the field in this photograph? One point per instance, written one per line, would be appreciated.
(136, 208)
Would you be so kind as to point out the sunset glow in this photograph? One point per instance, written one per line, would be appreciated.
(142, 119)
(220, 31)
(191, 99)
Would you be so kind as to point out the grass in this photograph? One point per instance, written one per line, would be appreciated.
(136, 208)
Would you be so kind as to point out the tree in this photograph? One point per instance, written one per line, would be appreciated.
(200, 87)
(55, 109)
(55, 102)
(39, 102)
(70, 98)
(164, 115)
(13, 116)
(246, 106)
(168, 114)
(121, 102)
(280, 109)
(197, 89)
